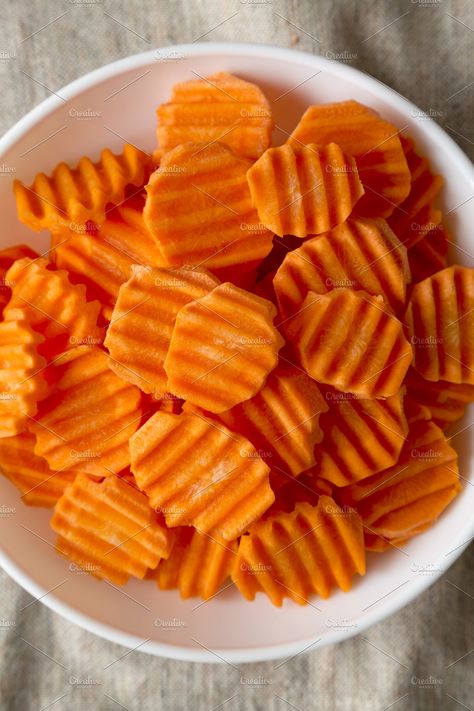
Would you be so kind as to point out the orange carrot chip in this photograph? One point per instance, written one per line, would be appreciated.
(109, 529)
(360, 436)
(282, 419)
(22, 382)
(445, 401)
(302, 190)
(220, 107)
(295, 555)
(91, 413)
(399, 502)
(416, 216)
(52, 306)
(359, 254)
(198, 565)
(72, 196)
(199, 209)
(373, 142)
(348, 340)
(7, 257)
(142, 322)
(38, 484)
(200, 474)
(440, 325)
(238, 352)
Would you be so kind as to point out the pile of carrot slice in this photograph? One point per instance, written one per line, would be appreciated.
(237, 360)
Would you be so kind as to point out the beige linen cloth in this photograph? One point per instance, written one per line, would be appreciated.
(422, 657)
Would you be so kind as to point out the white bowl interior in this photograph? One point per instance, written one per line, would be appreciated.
(139, 613)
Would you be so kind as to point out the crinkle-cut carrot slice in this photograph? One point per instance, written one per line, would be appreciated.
(429, 255)
(396, 502)
(37, 483)
(445, 401)
(199, 209)
(359, 254)
(140, 329)
(109, 529)
(220, 107)
(71, 196)
(102, 259)
(200, 474)
(222, 348)
(7, 257)
(91, 413)
(348, 340)
(52, 306)
(303, 190)
(198, 565)
(282, 419)
(360, 437)
(373, 142)
(416, 216)
(308, 551)
(440, 325)
(22, 381)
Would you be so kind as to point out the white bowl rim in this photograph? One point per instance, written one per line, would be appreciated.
(405, 595)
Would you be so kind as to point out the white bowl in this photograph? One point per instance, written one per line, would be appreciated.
(116, 104)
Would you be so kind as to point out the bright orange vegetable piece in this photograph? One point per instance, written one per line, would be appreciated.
(52, 306)
(359, 254)
(91, 413)
(298, 554)
(199, 209)
(440, 325)
(198, 565)
(238, 352)
(37, 483)
(372, 141)
(72, 196)
(142, 322)
(348, 340)
(109, 529)
(200, 474)
(220, 107)
(302, 190)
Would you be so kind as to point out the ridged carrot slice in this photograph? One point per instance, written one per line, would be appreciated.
(238, 352)
(198, 565)
(71, 196)
(445, 401)
(220, 107)
(348, 340)
(416, 216)
(7, 257)
(359, 254)
(52, 306)
(282, 419)
(199, 209)
(37, 483)
(428, 256)
(298, 554)
(87, 420)
(395, 503)
(200, 474)
(361, 437)
(142, 322)
(22, 382)
(373, 142)
(102, 260)
(301, 190)
(440, 325)
(109, 529)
